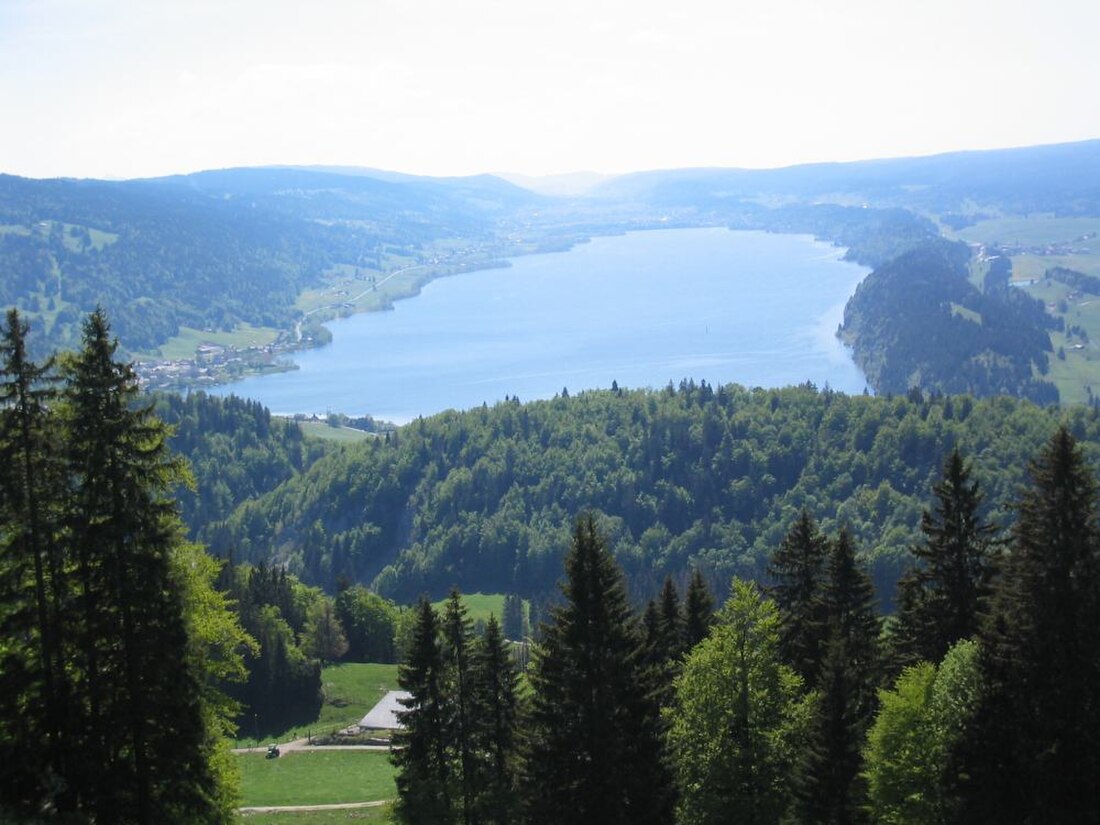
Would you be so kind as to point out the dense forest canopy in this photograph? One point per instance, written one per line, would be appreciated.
(689, 476)
(917, 321)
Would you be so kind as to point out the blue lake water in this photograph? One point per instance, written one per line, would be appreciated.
(641, 309)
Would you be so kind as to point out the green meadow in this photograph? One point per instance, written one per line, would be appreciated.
(322, 777)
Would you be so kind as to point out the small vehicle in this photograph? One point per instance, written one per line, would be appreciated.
(272, 752)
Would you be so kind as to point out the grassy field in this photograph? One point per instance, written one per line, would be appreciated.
(184, 344)
(320, 429)
(372, 815)
(1079, 371)
(1040, 231)
(351, 689)
(316, 778)
(1030, 231)
(479, 605)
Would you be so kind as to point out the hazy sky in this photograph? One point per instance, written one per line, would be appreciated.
(124, 88)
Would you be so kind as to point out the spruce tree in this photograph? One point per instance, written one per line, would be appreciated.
(698, 610)
(420, 747)
(798, 570)
(494, 709)
(671, 621)
(593, 753)
(142, 743)
(512, 618)
(458, 688)
(941, 599)
(32, 662)
(831, 789)
(1033, 751)
(665, 640)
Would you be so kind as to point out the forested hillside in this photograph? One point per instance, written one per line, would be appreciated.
(918, 321)
(686, 477)
(215, 249)
(236, 450)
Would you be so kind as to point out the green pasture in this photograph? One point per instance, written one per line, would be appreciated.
(350, 690)
(320, 777)
(1080, 369)
(320, 429)
(369, 815)
(1031, 231)
(184, 345)
(479, 605)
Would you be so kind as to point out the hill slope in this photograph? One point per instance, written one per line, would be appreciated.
(694, 476)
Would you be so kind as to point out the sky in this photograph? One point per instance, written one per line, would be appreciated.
(133, 88)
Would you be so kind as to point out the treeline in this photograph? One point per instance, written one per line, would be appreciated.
(687, 477)
(916, 321)
(114, 642)
(975, 703)
(1075, 280)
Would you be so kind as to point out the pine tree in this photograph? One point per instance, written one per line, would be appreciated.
(420, 747)
(698, 611)
(143, 754)
(1033, 753)
(494, 709)
(940, 600)
(798, 569)
(593, 753)
(830, 784)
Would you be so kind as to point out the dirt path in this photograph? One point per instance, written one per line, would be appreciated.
(339, 806)
(303, 745)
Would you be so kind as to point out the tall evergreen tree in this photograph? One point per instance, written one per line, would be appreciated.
(831, 789)
(142, 739)
(494, 709)
(593, 753)
(420, 747)
(941, 599)
(664, 642)
(798, 569)
(459, 688)
(1033, 753)
(698, 610)
(32, 662)
(512, 618)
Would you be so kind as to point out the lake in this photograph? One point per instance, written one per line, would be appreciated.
(641, 309)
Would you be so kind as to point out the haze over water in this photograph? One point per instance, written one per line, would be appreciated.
(640, 309)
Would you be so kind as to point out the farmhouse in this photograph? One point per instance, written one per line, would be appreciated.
(383, 716)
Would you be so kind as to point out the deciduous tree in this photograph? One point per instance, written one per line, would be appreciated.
(738, 719)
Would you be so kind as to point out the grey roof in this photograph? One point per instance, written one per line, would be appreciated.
(383, 716)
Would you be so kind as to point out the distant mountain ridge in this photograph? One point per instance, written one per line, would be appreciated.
(1061, 178)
